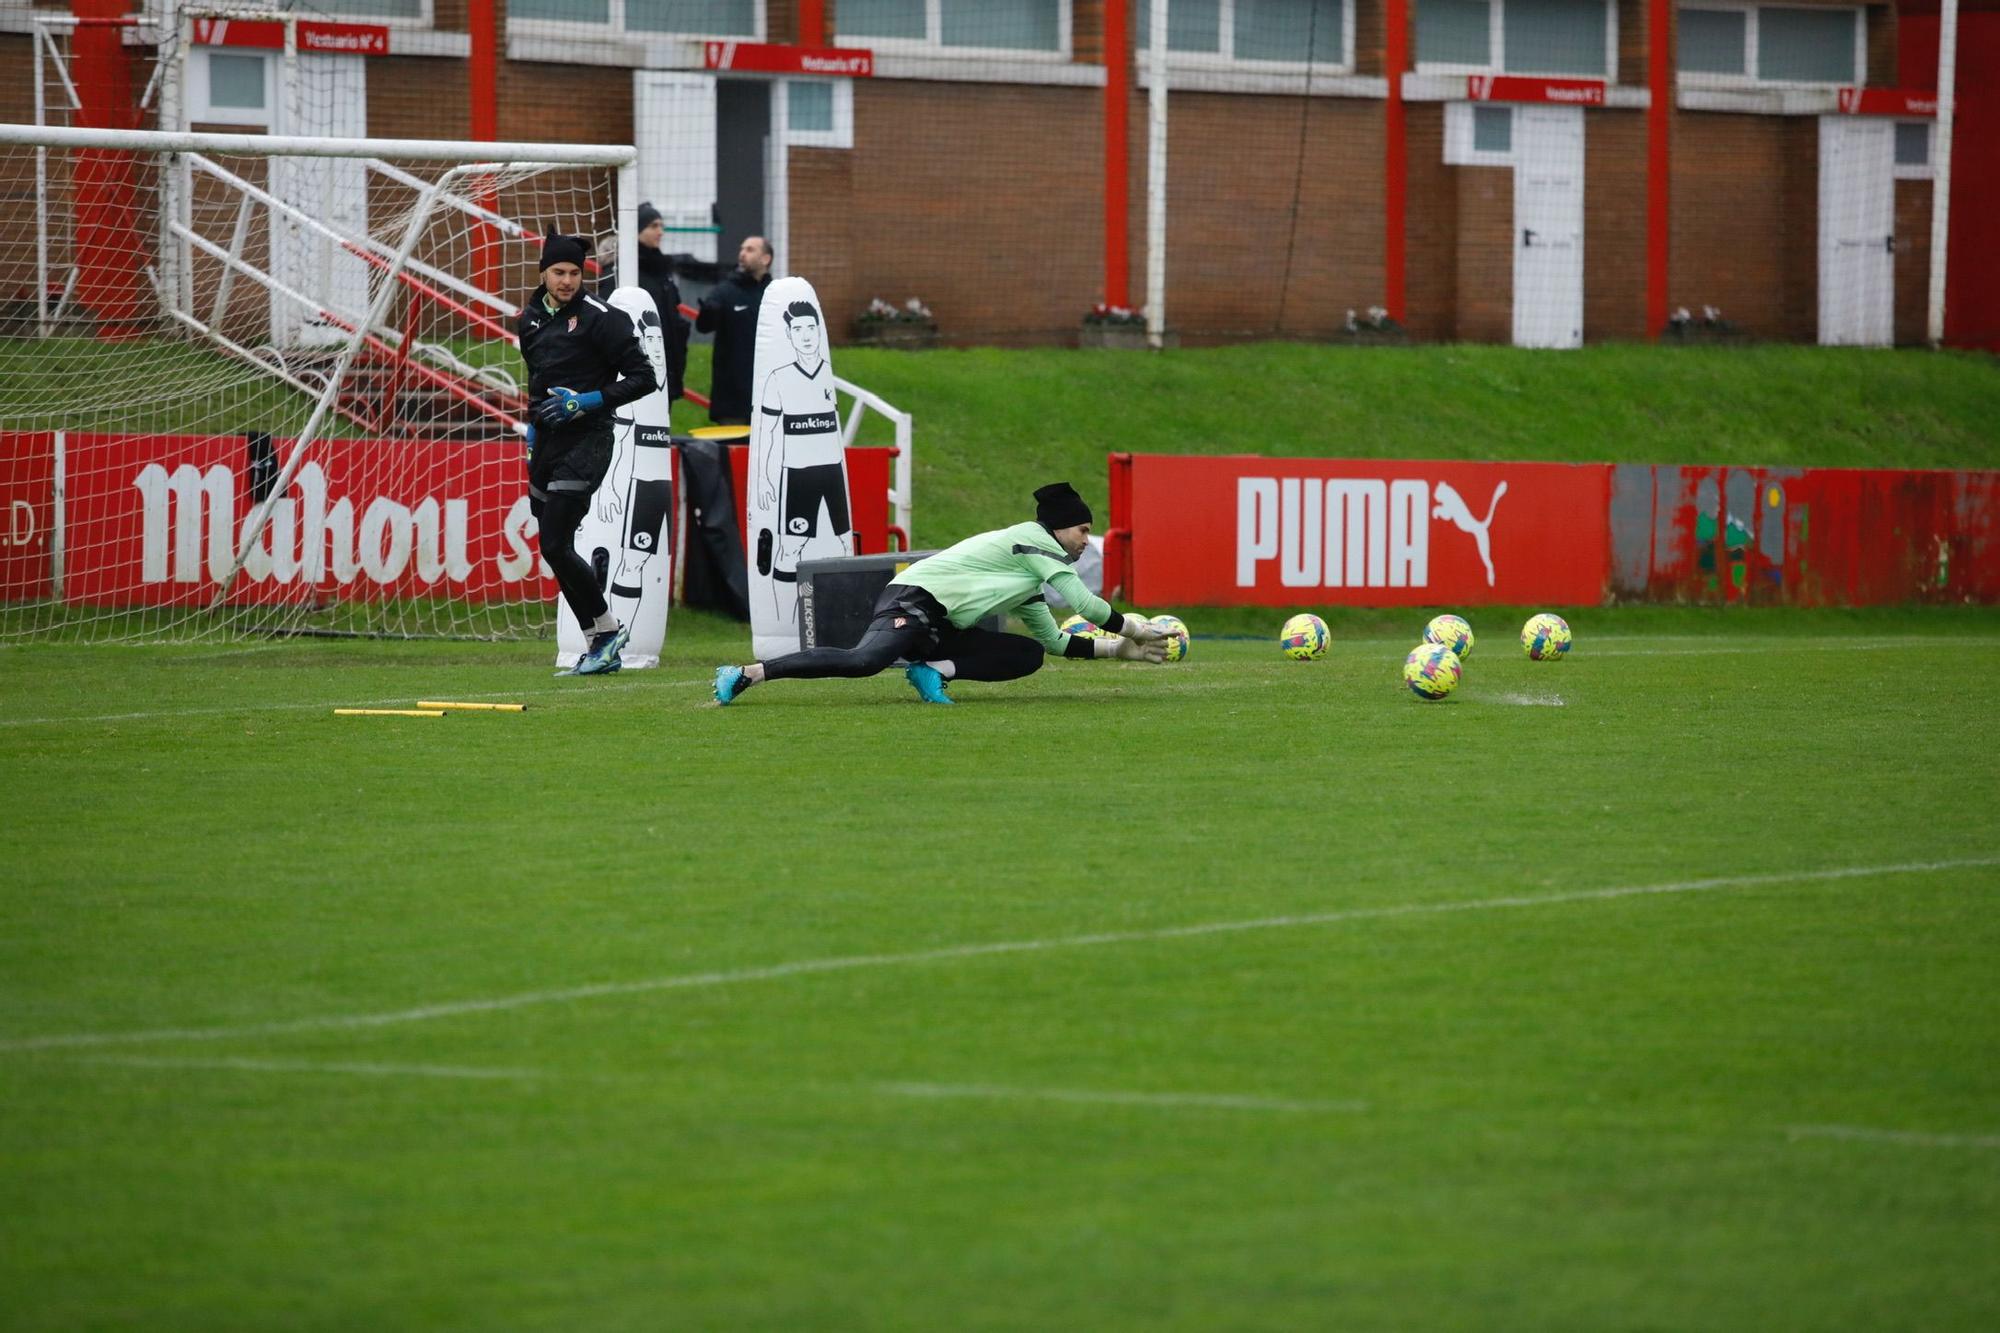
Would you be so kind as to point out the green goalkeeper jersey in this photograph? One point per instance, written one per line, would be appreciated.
(1004, 572)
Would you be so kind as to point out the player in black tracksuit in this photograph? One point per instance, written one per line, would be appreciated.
(584, 359)
(730, 312)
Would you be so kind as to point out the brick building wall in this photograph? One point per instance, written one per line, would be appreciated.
(1485, 254)
(997, 231)
(985, 199)
(1741, 219)
(1265, 236)
(1913, 262)
(1431, 232)
(1614, 225)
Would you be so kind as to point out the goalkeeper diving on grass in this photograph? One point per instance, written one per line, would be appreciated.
(929, 616)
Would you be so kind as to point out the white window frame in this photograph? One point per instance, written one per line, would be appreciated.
(1748, 78)
(1459, 138)
(1928, 170)
(842, 133)
(932, 42)
(1496, 46)
(202, 111)
(614, 27)
(1226, 58)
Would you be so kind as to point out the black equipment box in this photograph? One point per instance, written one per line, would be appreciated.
(837, 596)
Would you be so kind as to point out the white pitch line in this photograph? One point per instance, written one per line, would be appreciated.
(854, 962)
(1902, 1136)
(250, 1065)
(1094, 1097)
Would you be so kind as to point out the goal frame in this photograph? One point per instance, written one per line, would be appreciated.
(466, 156)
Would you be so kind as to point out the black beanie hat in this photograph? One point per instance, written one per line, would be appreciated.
(558, 249)
(648, 215)
(1057, 505)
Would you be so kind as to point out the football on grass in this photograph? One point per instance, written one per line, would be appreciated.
(1545, 638)
(1452, 632)
(1431, 671)
(1303, 638)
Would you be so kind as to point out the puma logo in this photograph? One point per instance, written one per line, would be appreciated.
(1452, 508)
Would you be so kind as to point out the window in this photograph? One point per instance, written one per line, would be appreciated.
(694, 18)
(721, 17)
(1561, 37)
(1713, 41)
(1556, 36)
(819, 113)
(1478, 134)
(1455, 32)
(229, 87)
(1281, 31)
(371, 9)
(1747, 43)
(1806, 45)
(1913, 150)
(982, 25)
(810, 108)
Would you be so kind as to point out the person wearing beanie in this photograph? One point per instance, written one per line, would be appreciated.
(584, 360)
(656, 279)
(929, 616)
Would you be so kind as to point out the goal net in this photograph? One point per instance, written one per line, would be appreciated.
(259, 384)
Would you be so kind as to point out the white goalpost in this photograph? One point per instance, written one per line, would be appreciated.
(279, 392)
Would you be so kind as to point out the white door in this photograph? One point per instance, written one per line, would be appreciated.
(674, 130)
(328, 96)
(1548, 226)
(1857, 226)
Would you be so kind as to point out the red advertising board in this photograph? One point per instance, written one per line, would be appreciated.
(156, 520)
(1516, 88)
(356, 39)
(1805, 536)
(1203, 531)
(27, 494)
(1887, 102)
(769, 58)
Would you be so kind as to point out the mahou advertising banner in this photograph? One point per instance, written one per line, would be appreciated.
(1248, 531)
(155, 520)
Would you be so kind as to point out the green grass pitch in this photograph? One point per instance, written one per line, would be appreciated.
(1652, 989)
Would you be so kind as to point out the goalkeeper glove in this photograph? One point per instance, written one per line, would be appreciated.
(1139, 629)
(562, 406)
(1131, 650)
(530, 439)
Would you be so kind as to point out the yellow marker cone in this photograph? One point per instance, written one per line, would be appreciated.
(388, 712)
(473, 708)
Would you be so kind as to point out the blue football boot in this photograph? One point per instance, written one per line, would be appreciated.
(603, 657)
(928, 684)
(730, 682)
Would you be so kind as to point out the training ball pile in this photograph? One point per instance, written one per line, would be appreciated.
(1451, 631)
(1304, 637)
(1177, 636)
(1545, 638)
(1431, 671)
(1082, 628)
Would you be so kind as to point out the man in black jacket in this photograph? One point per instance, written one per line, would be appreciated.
(730, 312)
(656, 279)
(584, 359)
